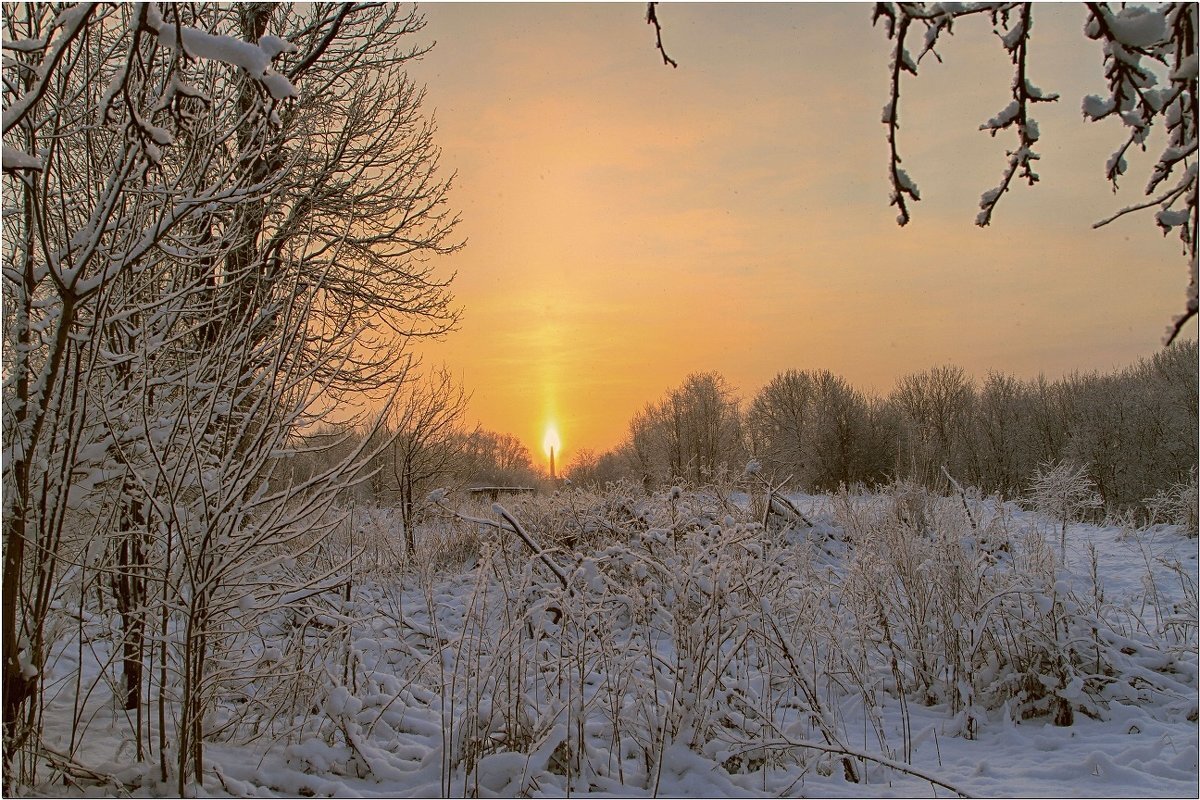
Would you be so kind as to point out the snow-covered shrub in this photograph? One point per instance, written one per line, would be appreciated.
(654, 638)
(949, 606)
(1043, 652)
(1182, 623)
(676, 630)
(1063, 491)
(1177, 505)
(917, 583)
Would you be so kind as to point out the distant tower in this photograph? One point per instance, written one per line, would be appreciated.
(551, 462)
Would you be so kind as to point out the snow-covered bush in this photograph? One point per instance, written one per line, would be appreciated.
(677, 623)
(951, 602)
(1063, 491)
(1177, 505)
(668, 633)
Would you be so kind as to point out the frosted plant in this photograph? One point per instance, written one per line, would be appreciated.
(1063, 491)
(1177, 505)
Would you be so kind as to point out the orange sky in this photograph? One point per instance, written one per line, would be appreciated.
(628, 223)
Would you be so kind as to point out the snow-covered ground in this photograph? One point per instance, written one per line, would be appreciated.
(903, 645)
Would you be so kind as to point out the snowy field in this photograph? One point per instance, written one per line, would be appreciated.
(898, 644)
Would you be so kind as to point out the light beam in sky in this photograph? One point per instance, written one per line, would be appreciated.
(552, 443)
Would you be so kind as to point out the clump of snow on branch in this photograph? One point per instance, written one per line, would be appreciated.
(254, 58)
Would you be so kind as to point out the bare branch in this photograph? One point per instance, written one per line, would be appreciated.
(652, 19)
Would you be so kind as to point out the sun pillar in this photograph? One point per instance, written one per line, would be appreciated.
(552, 443)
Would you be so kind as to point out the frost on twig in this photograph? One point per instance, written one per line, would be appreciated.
(938, 19)
(902, 185)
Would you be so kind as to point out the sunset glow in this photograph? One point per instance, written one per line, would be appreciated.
(629, 224)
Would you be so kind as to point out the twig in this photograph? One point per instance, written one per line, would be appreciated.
(530, 543)
(779, 504)
(1176, 327)
(74, 770)
(846, 751)
(782, 502)
(516, 528)
(652, 19)
(962, 496)
(814, 703)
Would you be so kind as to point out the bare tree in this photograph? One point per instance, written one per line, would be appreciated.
(1001, 453)
(779, 423)
(426, 430)
(496, 459)
(935, 407)
(583, 466)
(694, 433)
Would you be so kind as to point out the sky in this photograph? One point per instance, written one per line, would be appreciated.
(628, 224)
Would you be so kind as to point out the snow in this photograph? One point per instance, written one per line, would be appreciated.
(14, 159)
(1170, 217)
(255, 59)
(1139, 26)
(907, 184)
(1004, 118)
(422, 684)
(1097, 107)
(25, 45)
(1187, 69)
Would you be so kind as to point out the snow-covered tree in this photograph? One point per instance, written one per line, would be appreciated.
(215, 218)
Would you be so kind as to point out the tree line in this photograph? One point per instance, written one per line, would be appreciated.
(1135, 429)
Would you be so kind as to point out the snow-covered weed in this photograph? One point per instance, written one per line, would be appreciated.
(682, 622)
(1177, 505)
(648, 631)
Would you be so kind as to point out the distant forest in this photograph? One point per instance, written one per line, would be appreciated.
(1134, 431)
